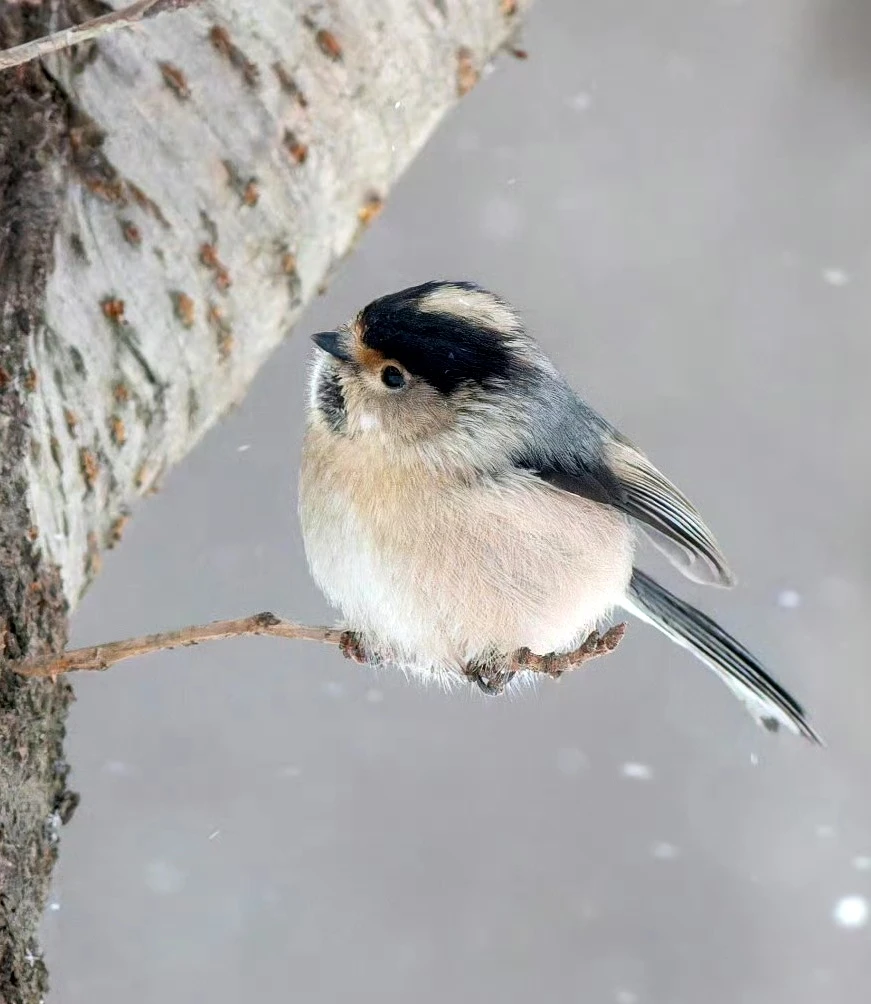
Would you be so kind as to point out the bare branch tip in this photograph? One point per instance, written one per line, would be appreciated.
(88, 30)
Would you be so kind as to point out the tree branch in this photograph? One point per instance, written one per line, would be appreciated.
(100, 657)
(68, 37)
(169, 205)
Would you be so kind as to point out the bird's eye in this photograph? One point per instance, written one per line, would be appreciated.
(392, 377)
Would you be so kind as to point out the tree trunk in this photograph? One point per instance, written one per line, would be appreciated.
(170, 198)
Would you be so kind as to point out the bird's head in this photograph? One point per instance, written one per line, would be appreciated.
(419, 362)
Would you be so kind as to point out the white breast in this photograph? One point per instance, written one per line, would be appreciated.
(369, 422)
(441, 574)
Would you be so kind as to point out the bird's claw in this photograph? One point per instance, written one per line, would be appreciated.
(491, 682)
(351, 646)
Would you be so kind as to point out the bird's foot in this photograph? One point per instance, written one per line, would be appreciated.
(490, 680)
(351, 646)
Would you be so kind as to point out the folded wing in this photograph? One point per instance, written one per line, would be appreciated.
(587, 457)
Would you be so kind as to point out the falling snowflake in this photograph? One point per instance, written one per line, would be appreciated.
(581, 102)
(637, 771)
(851, 911)
(789, 599)
(116, 767)
(835, 276)
(664, 851)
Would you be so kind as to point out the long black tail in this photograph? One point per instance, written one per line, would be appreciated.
(766, 700)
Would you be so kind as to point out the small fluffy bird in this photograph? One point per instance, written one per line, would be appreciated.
(460, 502)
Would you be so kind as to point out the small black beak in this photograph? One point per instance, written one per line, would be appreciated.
(334, 343)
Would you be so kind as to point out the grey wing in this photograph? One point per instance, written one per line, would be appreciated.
(668, 517)
(582, 454)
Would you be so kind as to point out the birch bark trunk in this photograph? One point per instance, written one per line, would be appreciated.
(171, 196)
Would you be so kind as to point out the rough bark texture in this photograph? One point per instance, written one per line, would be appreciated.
(170, 198)
(33, 794)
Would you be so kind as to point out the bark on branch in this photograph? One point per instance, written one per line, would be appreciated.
(170, 199)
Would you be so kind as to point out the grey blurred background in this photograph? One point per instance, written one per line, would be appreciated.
(676, 194)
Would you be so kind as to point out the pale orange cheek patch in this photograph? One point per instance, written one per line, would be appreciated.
(368, 358)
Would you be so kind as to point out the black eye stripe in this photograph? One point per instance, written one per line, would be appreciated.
(443, 349)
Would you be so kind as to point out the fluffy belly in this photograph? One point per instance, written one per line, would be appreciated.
(435, 576)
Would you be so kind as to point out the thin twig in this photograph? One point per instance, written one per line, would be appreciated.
(555, 664)
(100, 657)
(88, 30)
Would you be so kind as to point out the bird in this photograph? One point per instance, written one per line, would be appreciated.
(459, 501)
